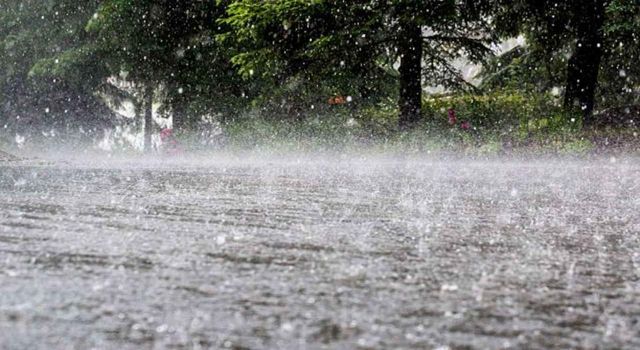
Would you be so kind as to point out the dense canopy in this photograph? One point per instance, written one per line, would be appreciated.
(66, 64)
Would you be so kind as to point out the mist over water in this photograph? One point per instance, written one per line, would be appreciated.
(289, 251)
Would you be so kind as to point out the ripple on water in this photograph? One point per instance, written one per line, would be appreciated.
(358, 254)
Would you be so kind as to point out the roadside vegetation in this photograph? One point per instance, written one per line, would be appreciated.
(321, 74)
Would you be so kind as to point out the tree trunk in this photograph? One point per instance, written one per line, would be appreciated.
(584, 64)
(410, 50)
(148, 117)
(179, 116)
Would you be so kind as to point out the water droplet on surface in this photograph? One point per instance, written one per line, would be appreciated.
(287, 327)
(449, 287)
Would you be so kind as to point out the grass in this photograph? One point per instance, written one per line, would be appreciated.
(502, 123)
(344, 133)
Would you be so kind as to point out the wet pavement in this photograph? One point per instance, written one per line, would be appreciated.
(345, 253)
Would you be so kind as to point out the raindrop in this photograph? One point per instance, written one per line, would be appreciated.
(449, 288)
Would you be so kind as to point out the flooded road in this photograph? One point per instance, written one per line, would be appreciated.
(347, 254)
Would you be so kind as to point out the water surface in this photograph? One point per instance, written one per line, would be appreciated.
(345, 253)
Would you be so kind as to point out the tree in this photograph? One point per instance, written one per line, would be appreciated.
(32, 101)
(332, 39)
(599, 37)
(619, 81)
(584, 65)
(170, 44)
(130, 36)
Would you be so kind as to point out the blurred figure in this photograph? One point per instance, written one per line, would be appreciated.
(337, 100)
(169, 145)
(453, 120)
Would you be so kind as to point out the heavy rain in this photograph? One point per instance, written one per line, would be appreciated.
(322, 174)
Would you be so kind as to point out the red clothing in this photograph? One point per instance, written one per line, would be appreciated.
(169, 145)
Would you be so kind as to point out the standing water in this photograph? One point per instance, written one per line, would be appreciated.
(353, 253)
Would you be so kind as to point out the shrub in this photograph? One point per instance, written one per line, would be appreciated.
(506, 113)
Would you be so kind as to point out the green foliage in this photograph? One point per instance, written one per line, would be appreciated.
(577, 147)
(620, 75)
(522, 68)
(172, 44)
(501, 111)
(279, 62)
(35, 30)
(130, 33)
(323, 132)
(34, 97)
(551, 33)
(351, 47)
(499, 121)
(379, 121)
